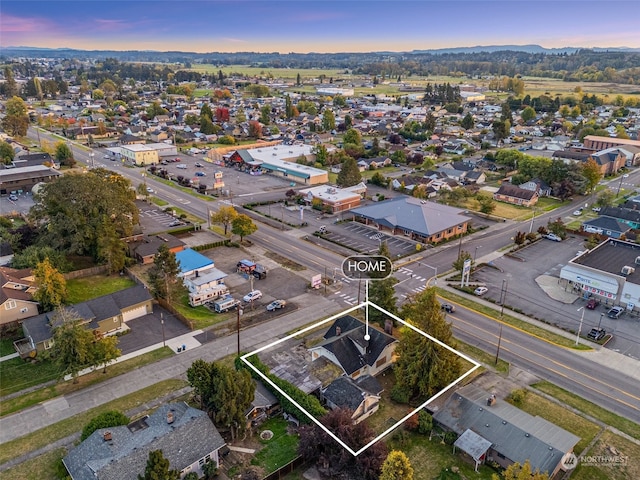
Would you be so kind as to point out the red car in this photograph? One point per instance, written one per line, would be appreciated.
(592, 304)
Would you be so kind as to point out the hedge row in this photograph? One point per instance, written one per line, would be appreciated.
(308, 402)
(207, 246)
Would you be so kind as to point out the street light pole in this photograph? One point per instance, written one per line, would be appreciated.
(475, 253)
(580, 326)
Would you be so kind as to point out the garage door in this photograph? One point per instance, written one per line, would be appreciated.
(134, 313)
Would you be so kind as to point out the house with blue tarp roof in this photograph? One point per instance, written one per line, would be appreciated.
(191, 262)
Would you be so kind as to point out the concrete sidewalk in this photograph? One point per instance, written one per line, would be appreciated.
(52, 411)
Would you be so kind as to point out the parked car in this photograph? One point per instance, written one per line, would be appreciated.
(480, 291)
(108, 157)
(553, 237)
(447, 307)
(596, 334)
(198, 165)
(201, 174)
(593, 303)
(176, 223)
(182, 166)
(13, 198)
(596, 209)
(177, 159)
(252, 296)
(276, 305)
(615, 312)
(577, 212)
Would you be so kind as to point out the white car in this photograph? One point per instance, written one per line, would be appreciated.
(577, 212)
(252, 296)
(553, 237)
(149, 190)
(480, 291)
(182, 166)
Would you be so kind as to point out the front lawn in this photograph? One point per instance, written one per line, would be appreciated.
(559, 415)
(18, 375)
(589, 408)
(83, 289)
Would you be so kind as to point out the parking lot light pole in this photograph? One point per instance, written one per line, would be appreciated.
(600, 321)
(475, 253)
(580, 326)
(164, 342)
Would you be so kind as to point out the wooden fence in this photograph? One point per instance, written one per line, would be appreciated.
(286, 469)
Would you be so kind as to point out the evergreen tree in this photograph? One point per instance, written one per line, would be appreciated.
(158, 468)
(423, 367)
(349, 174)
(382, 293)
(467, 122)
(206, 111)
(163, 275)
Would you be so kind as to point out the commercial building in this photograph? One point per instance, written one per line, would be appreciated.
(147, 154)
(610, 272)
(421, 220)
(334, 198)
(23, 179)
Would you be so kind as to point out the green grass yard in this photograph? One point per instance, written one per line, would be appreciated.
(83, 289)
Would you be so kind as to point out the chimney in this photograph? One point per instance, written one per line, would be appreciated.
(169, 417)
(107, 436)
(338, 331)
(197, 274)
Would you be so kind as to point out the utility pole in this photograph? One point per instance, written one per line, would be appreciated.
(580, 326)
(499, 341)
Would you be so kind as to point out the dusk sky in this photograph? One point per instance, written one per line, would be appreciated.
(316, 25)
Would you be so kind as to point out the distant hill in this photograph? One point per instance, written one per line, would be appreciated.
(522, 48)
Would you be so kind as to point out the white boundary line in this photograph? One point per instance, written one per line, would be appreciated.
(364, 304)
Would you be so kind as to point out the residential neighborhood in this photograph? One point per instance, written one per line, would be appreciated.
(174, 299)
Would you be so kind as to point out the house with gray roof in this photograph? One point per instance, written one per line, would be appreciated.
(344, 392)
(420, 220)
(103, 315)
(515, 195)
(503, 433)
(185, 435)
(606, 226)
(345, 346)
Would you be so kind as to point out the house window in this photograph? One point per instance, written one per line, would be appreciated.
(201, 462)
(449, 231)
(10, 304)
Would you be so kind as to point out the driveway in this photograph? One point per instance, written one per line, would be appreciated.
(148, 330)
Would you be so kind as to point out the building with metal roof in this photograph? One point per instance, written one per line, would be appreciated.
(503, 433)
(421, 220)
(192, 261)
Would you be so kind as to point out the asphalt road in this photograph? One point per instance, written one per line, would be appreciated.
(606, 387)
(595, 382)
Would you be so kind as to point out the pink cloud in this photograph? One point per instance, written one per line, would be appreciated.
(10, 23)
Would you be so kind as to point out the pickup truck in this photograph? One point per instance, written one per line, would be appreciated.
(250, 268)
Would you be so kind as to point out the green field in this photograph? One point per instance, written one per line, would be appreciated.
(280, 73)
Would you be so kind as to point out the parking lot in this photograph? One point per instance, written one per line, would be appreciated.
(365, 239)
(153, 219)
(280, 283)
(237, 183)
(515, 278)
